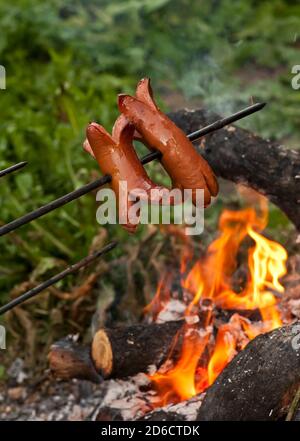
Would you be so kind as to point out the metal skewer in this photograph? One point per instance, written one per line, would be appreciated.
(70, 270)
(12, 168)
(225, 121)
(86, 189)
(63, 200)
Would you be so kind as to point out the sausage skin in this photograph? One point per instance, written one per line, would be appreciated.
(116, 157)
(186, 167)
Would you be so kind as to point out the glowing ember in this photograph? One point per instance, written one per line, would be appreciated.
(203, 356)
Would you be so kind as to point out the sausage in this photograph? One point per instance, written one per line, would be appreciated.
(117, 128)
(187, 168)
(116, 156)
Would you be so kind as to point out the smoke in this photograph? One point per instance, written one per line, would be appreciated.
(207, 80)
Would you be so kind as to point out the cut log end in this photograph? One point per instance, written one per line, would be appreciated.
(102, 353)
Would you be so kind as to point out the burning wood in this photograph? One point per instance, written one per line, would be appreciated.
(203, 357)
(260, 382)
(191, 354)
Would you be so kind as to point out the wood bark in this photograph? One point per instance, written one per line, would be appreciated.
(260, 382)
(115, 352)
(123, 351)
(240, 156)
(68, 359)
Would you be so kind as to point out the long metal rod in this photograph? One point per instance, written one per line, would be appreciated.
(70, 270)
(12, 168)
(225, 121)
(63, 200)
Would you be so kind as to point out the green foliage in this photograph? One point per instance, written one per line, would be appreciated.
(66, 62)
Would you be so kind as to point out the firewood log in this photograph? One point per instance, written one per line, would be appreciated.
(121, 352)
(114, 353)
(68, 359)
(126, 350)
(260, 382)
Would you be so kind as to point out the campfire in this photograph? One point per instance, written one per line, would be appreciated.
(208, 286)
(229, 295)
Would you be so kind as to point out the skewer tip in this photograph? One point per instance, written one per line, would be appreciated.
(261, 105)
(13, 168)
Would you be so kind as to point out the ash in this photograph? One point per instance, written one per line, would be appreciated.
(113, 400)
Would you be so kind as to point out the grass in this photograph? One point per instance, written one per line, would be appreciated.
(65, 65)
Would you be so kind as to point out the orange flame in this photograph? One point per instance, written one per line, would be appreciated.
(203, 356)
(178, 383)
(228, 337)
(161, 298)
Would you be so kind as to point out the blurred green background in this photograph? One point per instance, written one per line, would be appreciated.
(65, 63)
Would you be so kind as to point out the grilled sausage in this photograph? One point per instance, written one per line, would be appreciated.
(120, 122)
(187, 169)
(116, 156)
